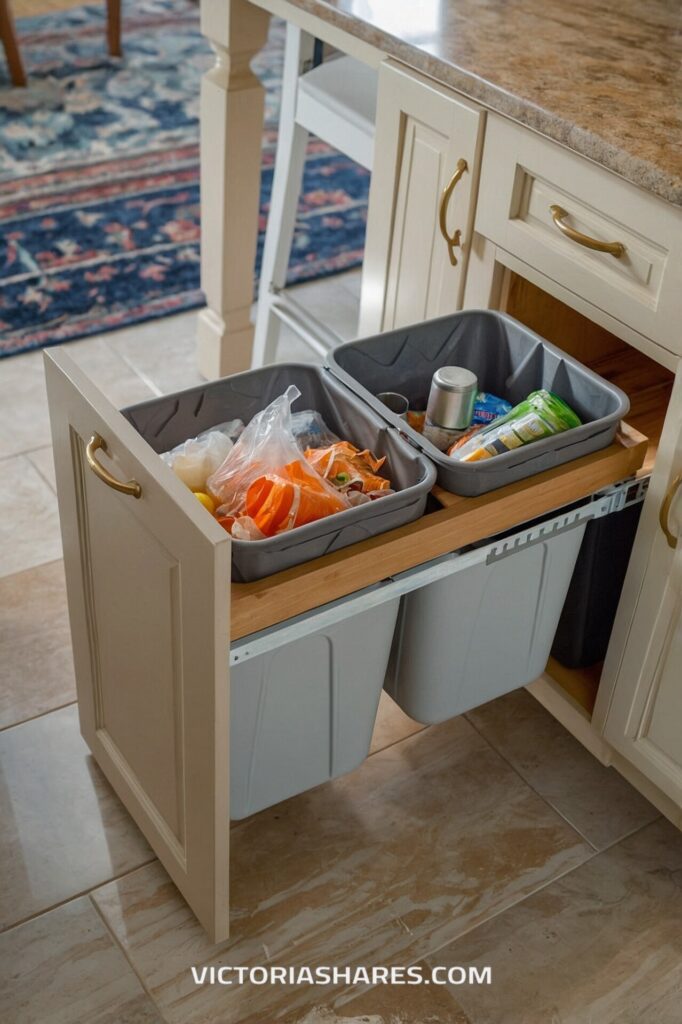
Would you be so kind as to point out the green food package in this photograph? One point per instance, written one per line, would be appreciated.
(540, 415)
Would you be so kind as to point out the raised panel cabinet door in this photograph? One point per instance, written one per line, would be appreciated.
(644, 715)
(148, 583)
(424, 183)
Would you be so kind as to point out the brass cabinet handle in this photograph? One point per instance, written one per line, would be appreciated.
(664, 514)
(94, 445)
(559, 215)
(453, 241)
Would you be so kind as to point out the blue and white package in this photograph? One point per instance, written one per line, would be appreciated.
(488, 407)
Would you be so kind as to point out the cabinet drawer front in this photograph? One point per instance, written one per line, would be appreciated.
(147, 574)
(547, 206)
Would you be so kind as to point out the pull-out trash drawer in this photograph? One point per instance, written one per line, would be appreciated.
(161, 637)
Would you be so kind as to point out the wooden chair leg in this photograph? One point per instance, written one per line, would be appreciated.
(9, 41)
(114, 27)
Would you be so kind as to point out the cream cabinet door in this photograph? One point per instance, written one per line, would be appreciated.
(644, 714)
(426, 140)
(148, 582)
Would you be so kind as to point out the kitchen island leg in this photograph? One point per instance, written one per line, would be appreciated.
(232, 103)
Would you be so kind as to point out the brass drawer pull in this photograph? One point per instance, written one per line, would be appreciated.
(94, 445)
(453, 240)
(559, 215)
(664, 514)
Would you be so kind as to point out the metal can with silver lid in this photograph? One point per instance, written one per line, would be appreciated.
(452, 398)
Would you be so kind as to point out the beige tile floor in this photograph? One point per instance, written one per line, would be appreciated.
(489, 840)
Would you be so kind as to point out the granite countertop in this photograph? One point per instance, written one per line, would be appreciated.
(602, 77)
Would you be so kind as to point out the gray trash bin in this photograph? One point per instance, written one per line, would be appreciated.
(303, 713)
(484, 622)
(167, 421)
(509, 360)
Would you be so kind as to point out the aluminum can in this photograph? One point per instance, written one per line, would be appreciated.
(452, 398)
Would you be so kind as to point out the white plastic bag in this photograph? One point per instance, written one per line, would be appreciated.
(195, 460)
(265, 483)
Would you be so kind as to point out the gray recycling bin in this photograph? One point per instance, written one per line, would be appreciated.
(165, 422)
(510, 361)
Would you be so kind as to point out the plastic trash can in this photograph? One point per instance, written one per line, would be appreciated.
(304, 713)
(165, 422)
(587, 618)
(510, 361)
(485, 625)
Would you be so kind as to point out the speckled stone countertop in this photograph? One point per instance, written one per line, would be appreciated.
(603, 77)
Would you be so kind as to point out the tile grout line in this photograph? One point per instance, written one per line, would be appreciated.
(632, 832)
(531, 787)
(75, 896)
(394, 743)
(545, 885)
(26, 453)
(39, 470)
(119, 945)
(40, 714)
(156, 391)
(30, 568)
(516, 903)
(603, 849)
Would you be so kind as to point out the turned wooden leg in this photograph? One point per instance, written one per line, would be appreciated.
(232, 102)
(9, 41)
(114, 27)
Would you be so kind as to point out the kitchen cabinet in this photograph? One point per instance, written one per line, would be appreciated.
(602, 238)
(424, 179)
(156, 625)
(612, 253)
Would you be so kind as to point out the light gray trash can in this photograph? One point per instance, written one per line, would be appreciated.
(486, 623)
(304, 712)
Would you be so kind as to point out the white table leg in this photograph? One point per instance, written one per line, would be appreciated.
(231, 131)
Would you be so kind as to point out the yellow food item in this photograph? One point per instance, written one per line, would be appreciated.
(206, 500)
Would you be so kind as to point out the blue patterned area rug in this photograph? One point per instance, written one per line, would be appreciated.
(99, 176)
